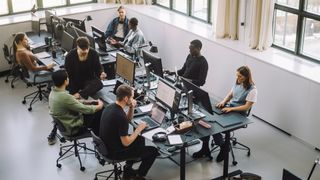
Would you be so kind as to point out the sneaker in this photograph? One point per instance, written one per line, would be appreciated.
(51, 139)
(129, 172)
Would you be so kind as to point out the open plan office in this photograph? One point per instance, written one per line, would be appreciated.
(160, 89)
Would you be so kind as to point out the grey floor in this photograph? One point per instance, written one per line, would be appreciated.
(25, 153)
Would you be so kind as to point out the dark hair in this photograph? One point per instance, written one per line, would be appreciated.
(245, 71)
(83, 42)
(17, 39)
(133, 21)
(196, 43)
(58, 77)
(120, 7)
(123, 91)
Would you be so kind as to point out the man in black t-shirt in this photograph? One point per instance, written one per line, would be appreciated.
(196, 66)
(114, 127)
(84, 70)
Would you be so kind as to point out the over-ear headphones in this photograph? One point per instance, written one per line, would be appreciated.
(159, 137)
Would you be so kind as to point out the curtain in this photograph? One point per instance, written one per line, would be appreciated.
(128, 1)
(227, 19)
(260, 24)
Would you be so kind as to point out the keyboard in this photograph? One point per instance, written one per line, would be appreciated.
(149, 122)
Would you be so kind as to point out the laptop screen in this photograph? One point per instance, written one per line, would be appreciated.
(157, 113)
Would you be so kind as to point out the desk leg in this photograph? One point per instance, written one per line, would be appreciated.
(183, 163)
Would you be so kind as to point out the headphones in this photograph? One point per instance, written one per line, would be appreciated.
(159, 137)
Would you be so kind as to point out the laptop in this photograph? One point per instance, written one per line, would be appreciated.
(215, 109)
(155, 117)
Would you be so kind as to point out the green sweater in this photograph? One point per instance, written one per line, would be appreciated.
(68, 110)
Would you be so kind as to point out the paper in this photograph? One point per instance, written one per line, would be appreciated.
(174, 139)
(146, 108)
(149, 134)
(114, 54)
(109, 82)
(42, 55)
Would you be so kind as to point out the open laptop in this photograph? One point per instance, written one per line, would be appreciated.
(154, 119)
(215, 109)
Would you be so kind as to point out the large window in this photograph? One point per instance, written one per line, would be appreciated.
(8, 7)
(199, 9)
(297, 27)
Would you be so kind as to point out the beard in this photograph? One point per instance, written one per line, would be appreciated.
(83, 57)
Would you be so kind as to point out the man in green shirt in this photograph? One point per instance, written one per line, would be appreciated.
(73, 114)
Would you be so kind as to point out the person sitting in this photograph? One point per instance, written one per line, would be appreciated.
(118, 28)
(27, 59)
(84, 70)
(240, 99)
(133, 40)
(76, 116)
(196, 66)
(121, 145)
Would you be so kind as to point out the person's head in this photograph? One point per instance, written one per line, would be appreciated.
(121, 13)
(244, 77)
(133, 23)
(195, 47)
(124, 94)
(60, 78)
(20, 39)
(83, 47)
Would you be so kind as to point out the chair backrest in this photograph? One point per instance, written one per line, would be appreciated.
(99, 144)
(287, 175)
(7, 54)
(60, 126)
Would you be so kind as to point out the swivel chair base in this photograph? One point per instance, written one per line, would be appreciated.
(37, 95)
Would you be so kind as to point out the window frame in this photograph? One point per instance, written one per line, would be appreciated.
(189, 10)
(302, 15)
(40, 6)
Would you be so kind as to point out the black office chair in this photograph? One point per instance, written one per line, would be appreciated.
(76, 146)
(102, 156)
(14, 70)
(40, 80)
(233, 143)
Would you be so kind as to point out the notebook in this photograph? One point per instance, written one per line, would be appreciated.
(154, 119)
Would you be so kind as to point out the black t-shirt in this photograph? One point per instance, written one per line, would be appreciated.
(114, 123)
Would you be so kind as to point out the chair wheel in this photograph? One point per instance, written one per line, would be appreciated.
(82, 168)
(234, 163)
(234, 143)
(248, 154)
(30, 109)
(95, 178)
(12, 86)
(6, 80)
(24, 102)
(59, 165)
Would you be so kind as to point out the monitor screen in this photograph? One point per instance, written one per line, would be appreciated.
(67, 41)
(155, 63)
(82, 33)
(125, 68)
(168, 95)
(77, 23)
(201, 97)
(99, 38)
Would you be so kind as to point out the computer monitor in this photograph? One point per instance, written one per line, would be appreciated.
(79, 33)
(57, 26)
(125, 68)
(99, 38)
(168, 95)
(67, 41)
(77, 23)
(201, 97)
(155, 63)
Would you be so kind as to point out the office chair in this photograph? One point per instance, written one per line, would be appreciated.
(102, 156)
(38, 79)
(232, 144)
(76, 146)
(14, 72)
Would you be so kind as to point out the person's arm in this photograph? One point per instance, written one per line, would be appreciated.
(77, 106)
(244, 107)
(200, 81)
(127, 140)
(110, 29)
(29, 64)
(133, 45)
(131, 109)
(183, 69)
(225, 100)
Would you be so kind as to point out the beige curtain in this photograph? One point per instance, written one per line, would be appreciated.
(227, 19)
(129, 1)
(260, 24)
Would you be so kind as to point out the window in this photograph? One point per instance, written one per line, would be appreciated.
(8, 7)
(199, 9)
(296, 27)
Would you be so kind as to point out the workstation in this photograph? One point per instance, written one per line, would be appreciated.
(271, 119)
